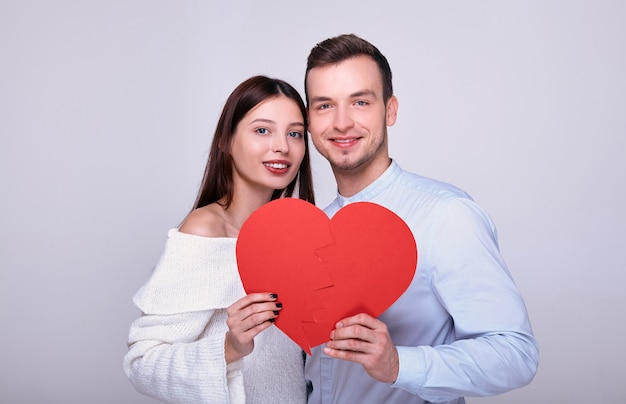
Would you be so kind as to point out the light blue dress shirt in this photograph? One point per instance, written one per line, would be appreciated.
(461, 328)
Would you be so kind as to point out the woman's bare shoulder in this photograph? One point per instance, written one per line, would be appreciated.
(206, 221)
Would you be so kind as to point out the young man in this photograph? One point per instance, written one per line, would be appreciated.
(461, 328)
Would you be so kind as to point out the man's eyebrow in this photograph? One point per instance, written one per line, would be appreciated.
(360, 93)
(363, 93)
(320, 99)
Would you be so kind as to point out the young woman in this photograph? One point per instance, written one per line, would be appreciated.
(200, 337)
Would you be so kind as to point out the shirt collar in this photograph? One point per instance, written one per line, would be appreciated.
(368, 193)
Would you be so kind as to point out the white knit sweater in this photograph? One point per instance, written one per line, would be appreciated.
(176, 348)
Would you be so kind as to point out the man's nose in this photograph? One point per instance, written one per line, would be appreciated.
(343, 119)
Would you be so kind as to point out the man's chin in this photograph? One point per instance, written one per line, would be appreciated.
(345, 165)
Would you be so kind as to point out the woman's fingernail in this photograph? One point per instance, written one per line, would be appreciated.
(272, 320)
(279, 305)
(276, 312)
(273, 295)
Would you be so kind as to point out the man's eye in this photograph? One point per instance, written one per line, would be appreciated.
(361, 103)
(323, 106)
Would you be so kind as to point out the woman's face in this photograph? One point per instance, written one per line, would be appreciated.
(268, 145)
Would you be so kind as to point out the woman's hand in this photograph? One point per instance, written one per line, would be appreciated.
(247, 317)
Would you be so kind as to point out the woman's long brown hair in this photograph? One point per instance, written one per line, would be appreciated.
(217, 181)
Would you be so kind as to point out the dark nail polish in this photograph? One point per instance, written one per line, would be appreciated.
(276, 312)
(272, 320)
(273, 295)
(279, 305)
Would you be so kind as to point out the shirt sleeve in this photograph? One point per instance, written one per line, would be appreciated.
(168, 360)
(494, 350)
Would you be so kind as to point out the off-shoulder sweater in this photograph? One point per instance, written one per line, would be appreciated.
(176, 347)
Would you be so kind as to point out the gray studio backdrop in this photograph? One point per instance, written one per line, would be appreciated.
(107, 110)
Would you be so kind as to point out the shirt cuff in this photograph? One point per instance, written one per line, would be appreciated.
(411, 370)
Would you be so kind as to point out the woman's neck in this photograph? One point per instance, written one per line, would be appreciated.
(241, 207)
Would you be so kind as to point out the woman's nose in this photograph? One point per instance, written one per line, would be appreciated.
(280, 144)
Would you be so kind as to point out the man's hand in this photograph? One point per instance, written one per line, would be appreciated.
(365, 340)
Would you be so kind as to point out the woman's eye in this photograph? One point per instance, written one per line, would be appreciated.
(262, 131)
(295, 134)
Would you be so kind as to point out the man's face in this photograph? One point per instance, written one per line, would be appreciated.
(348, 118)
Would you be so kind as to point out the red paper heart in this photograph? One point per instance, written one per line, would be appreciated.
(324, 270)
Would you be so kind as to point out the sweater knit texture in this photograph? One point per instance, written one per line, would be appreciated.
(176, 348)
